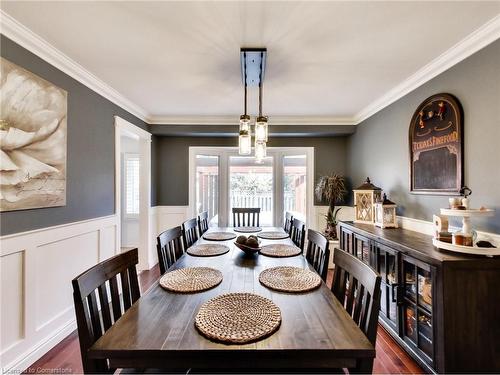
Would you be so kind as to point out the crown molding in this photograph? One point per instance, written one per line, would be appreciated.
(234, 120)
(478, 39)
(26, 38)
(20, 34)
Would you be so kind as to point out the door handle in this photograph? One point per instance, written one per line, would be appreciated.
(395, 292)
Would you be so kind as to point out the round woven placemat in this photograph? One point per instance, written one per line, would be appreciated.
(247, 229)
(279, 250)
(207, 250)
(273, 235)
(289, 279)
(191, 280)
(219, 236)
(238, 318)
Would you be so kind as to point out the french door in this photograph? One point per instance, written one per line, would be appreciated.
(220, 180)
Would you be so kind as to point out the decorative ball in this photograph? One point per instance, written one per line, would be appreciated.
(252, 242)
(241, 240)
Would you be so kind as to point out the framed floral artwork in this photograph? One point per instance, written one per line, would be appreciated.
(33, 134)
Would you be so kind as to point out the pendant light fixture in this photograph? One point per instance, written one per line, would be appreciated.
(245, 137)
(253, 62)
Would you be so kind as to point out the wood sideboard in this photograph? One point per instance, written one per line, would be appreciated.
(442, 308)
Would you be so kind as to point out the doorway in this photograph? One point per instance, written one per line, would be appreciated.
(220, 179)
(133, 191)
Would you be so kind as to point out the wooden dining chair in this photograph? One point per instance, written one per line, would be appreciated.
(203, 222)
(288, 222)
(298, 233)
(246, 217)
(90, 290)
(357, 287)
(318, 253)
(190, 232)
(169, 245)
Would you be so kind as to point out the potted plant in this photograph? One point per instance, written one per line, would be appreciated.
(331, 189)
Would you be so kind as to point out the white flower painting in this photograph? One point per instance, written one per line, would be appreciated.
(32, 139)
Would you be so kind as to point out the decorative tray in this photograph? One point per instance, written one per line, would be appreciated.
(467, 213)
(471, 250)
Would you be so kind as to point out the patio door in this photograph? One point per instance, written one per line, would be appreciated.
(220, 179)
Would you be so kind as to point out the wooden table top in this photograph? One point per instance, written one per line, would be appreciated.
(315, 331)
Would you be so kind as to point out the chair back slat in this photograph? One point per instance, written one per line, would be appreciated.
(169, 245)
(288, 222)
(190, 232)
(357, 287)
(105, 310)
(203, 222)
(246, 217)
(298, 234)
(318, 252)
(92, 301)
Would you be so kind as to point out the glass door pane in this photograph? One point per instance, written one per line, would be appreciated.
(294, 185)
(251, 185)
(207, 186)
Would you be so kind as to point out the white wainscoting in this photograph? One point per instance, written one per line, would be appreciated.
(36, 270)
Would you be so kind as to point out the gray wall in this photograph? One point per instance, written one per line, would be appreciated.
(379, 148)
(90, 156)
(171, 154)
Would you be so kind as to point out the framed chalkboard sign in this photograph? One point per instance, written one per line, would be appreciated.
(436, 146)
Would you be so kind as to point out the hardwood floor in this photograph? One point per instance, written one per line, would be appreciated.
(65, 356)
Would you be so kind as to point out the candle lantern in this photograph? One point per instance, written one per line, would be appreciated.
(365, 197)
(385, 213)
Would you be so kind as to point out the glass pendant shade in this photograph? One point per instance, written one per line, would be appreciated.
(245, 143)
(245, 123)
(261, 129)
(260, 151)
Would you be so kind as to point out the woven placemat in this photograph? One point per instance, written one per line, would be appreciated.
(247, 229)
(279, 250)
(191, 280)
(273, 235)
(289, 279)
(238, 318)
(219, 236)
(207, 250)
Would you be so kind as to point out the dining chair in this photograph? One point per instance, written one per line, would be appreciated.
(288, 222)
(90, 290)
(203, 222)
(169, 245)
(246, 217)
(357, 287)
(318, 253)
(298, 233)
(190, 232)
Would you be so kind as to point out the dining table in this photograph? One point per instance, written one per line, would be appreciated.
(158, 331)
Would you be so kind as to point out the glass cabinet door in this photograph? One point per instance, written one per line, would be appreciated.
(387, 267)
(346, 239)
(361, 248)
(417, 306)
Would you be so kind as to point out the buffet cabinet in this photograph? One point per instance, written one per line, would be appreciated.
(441, 307)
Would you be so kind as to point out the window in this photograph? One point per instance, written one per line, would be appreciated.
(132, 162)
(220, 179)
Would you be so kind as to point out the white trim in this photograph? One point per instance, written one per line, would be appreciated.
(83, 243)
(26, 38)
(233, 120)
(147, 257)
(478, 39)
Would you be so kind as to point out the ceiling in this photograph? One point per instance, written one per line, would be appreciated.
(181, 59)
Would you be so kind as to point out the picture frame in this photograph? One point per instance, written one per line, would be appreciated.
(436, 146)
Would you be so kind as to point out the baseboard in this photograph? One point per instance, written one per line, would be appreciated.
(25, 360)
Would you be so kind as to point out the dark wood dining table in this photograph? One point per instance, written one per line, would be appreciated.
(158, 331)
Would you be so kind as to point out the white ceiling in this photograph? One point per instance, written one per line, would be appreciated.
(329, 59)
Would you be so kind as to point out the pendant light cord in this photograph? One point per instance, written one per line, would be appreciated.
(260, 84)
(245, 68)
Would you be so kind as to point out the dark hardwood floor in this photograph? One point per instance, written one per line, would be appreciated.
(65, 356)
